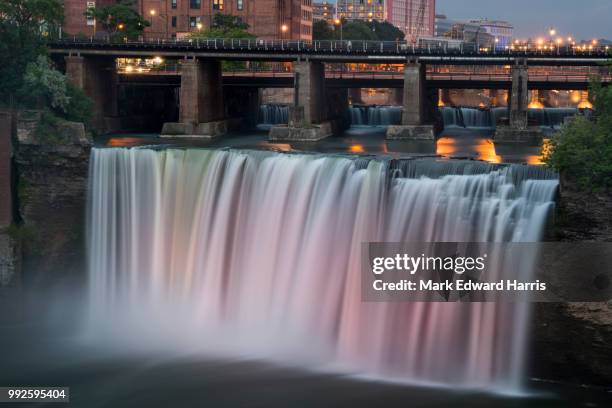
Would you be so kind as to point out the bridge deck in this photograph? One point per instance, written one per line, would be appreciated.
(326, 51)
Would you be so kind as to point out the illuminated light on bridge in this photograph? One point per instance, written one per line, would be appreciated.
(356, 148)
(535, 101)
(584, 101)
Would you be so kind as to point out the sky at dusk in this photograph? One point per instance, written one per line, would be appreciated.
(583, 19)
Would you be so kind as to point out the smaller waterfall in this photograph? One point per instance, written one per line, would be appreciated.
(375, 115)
(551, 117)
(487, 119)
(273, 114)
(470, 118)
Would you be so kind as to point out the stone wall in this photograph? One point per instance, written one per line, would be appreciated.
(573, 341)
(51, 189)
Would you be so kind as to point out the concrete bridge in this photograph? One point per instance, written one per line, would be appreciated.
(320, 96)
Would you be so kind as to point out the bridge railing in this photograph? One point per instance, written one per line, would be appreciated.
(331, 46)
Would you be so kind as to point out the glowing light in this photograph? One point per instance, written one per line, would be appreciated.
(284, 28)
(158, 60)
(129, 68)
(584, 101)
(356, 148)
(152, 12)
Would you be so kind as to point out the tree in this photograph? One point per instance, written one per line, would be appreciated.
(119, 20)
(25, 26)
(357, 30)
(225, 26)
(322, 31)
(386, 31)
(582, 150)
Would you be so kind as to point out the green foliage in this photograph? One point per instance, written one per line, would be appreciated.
(582, 150)
(46, 88)
(47, 132)
(120, 20)
(357, 30)
(44, 85)
(80, 107)
(25, 25)
(226, 26)
(322, 31)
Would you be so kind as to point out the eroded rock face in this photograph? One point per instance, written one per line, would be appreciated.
(573, 341)
(51, 199)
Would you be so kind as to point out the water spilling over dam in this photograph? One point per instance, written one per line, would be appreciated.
(261, 251)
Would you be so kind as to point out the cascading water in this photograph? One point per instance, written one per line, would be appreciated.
(485, 119)
(375, 115)
(551, 117)
(272, 114)
(262, 250)
(471, 118)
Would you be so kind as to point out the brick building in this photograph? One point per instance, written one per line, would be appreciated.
(268, 19)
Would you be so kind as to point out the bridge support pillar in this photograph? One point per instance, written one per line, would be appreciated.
(309, 119)
(414, 106)
(97, 77)
(518, 129)
(201, 107)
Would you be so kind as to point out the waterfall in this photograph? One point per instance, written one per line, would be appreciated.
(260, 252)
(272, 114)
(375, 115)
(551, 117)
(479, 119)
(471, 118)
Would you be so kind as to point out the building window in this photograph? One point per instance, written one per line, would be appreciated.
(217, 4)
(174, 21)
(194, 21)
(195, 4)
(240, 4)
(174, 3)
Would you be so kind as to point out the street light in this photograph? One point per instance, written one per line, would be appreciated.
(338, 22)
(284, 29)
(199, 26)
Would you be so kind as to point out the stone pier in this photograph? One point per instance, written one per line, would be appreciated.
(201, 111)
(518, 129)
(414, 106)
(309, 118)
(97, 77)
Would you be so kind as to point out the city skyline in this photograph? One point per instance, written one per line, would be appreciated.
(569, 18)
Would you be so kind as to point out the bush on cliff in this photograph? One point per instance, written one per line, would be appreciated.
(46, 88)
(582, 150)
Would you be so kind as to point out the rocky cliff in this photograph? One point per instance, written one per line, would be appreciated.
(51, 188)
(573, 341)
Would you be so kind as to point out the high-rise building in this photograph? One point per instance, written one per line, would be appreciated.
(324, 11)
(268, 19)
(416, 18)
(362, 10)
